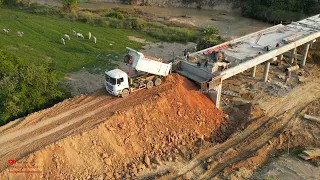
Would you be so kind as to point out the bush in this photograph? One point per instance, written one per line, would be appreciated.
(86, 17)
(115, 23)
(69, 5)
(10, 2)
(43, 10)
(71, 16)
(23, 4)
(134, 23)
(209, 38)
(101, 21)
(117, 15)
(155, 25)
(172, 34)
(35, 4)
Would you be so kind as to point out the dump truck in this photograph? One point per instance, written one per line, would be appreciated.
(149, 72)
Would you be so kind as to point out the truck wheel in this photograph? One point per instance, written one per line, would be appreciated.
(157, 82)
(149, 84)
(125, 93)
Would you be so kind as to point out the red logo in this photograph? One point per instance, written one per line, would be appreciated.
(10, 161)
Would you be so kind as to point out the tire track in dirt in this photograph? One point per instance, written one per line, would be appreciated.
(67, 106)
(198, 160)
(42, 115)
(252, 144)
(7, 137)
(50, 136)
(44, 129)
(58, 128)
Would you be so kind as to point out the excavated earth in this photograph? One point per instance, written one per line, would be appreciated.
(103, 137)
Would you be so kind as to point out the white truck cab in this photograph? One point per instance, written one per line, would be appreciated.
(116, 82)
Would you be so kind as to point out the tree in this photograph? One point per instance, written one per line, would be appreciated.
(25, 88)
(69, 5)
(209, 38)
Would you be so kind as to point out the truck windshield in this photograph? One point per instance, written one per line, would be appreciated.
(110, 80)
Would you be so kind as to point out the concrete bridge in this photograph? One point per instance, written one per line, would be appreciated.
(247, 52)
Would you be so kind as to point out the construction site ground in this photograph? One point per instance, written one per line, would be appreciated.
(173, 132)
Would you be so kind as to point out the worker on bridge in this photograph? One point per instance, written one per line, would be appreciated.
(199, 64)
(206, 62)
(185, 52)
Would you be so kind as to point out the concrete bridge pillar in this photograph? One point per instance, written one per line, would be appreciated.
(266, 70)
(292, 56)
(215, 96)
(305, 54)
(312, 42)
(253, 71)
(280, 57)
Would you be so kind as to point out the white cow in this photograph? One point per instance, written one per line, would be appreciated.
(80, 35)
(89, 34)
(94, 39)
(20, 33)
(6, 30)
(66, 36)
(63, 42)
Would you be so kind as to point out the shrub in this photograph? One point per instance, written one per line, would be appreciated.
(134, 23)
(155, 25)
(34, 4)
(71, 16)
(115, 23)
(43, 10)
(117, 15)
(69, 5)
(10, 2)
(208, 38)
(86, 17)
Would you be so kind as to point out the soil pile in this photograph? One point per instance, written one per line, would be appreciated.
(150, 127)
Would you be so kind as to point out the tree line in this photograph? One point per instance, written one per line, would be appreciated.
(276, 11)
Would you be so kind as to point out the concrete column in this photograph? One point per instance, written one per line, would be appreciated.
(216, 96)
(305, 54)
(266, 71)
(312, 42)
(218, 99)
(292, 56)
(280, 57)
(253, 71)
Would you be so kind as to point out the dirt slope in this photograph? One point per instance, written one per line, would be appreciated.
(108, 134)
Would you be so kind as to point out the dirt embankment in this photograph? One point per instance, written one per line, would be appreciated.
(149, 127)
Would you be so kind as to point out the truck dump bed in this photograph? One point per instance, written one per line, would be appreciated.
(145, 64)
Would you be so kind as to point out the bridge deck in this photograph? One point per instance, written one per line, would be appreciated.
(250, 50)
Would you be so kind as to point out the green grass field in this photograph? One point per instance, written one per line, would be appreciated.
(41, 42)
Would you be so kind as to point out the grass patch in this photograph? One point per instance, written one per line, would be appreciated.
(41, 41)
